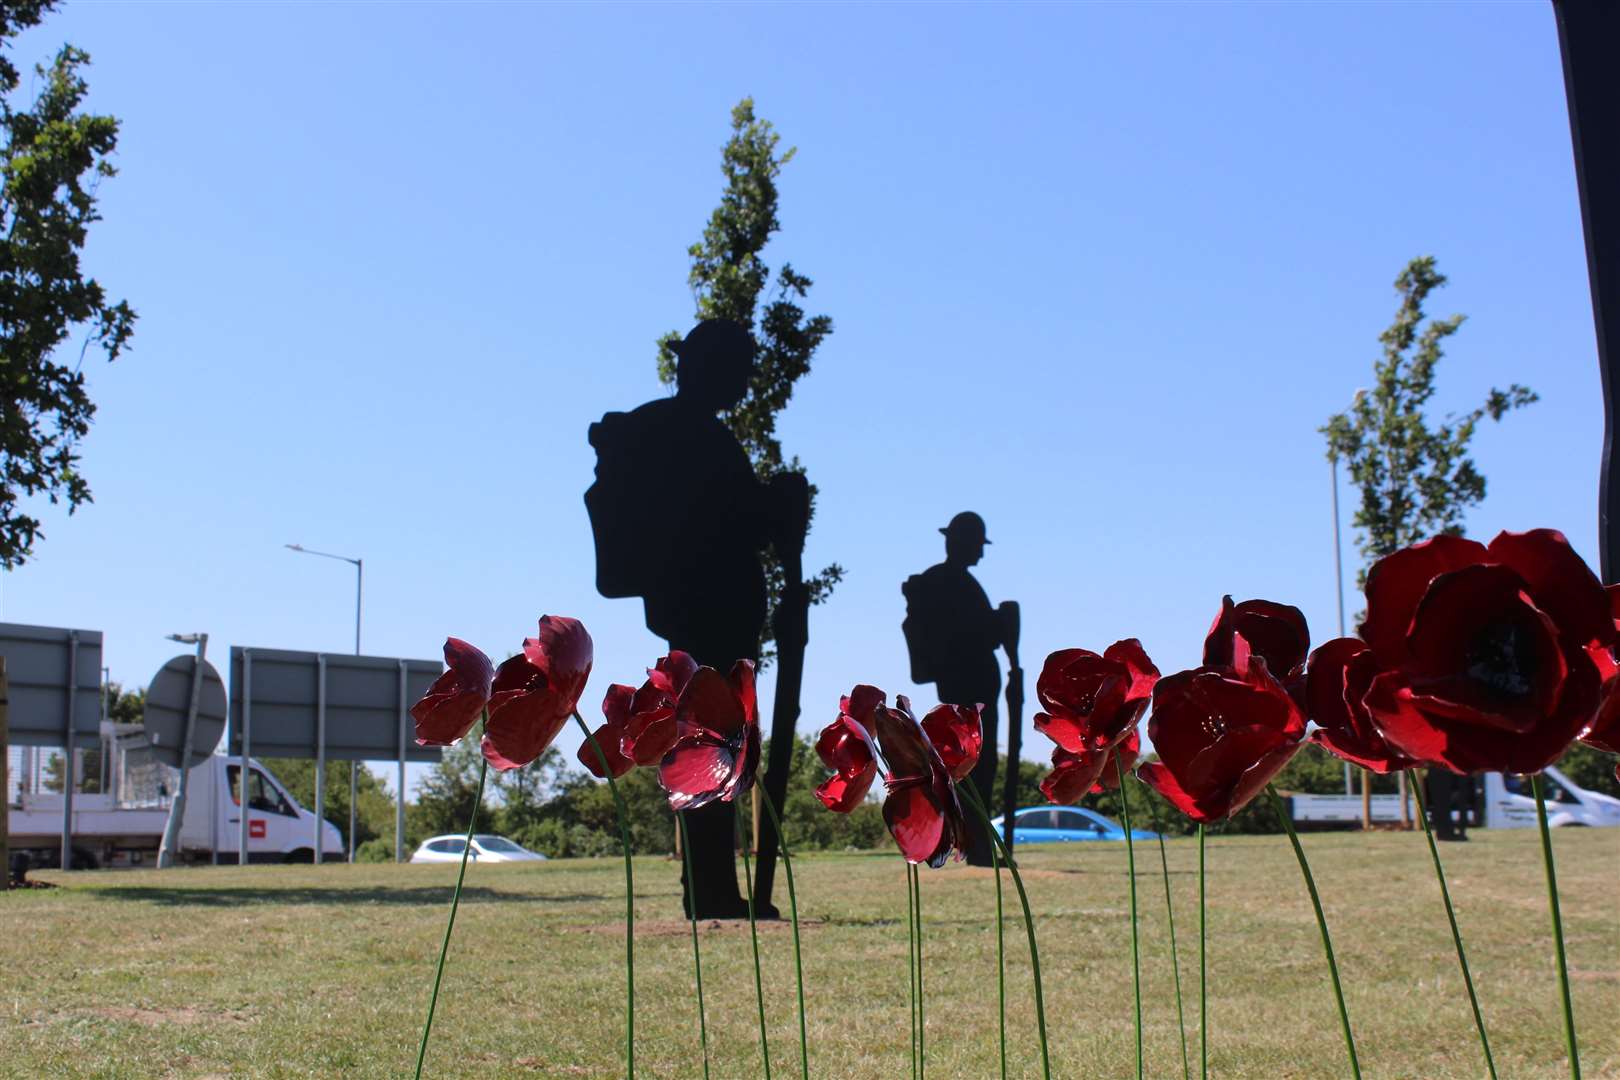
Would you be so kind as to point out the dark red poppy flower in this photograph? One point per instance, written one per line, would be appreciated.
(1094, 701)
(957, 733)
(536, 692)
(1275, 632)
(1337, 680)
(1483, 651)
(716, 746)
(610, 736)
(921, 808)
(1073, 776)
(451, 706)
(1221, 734)
(846, 747)
(650, 729)
(1604, 731)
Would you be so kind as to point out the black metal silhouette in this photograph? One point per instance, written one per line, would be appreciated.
(680, 519)
(952, 634)
(1589, 40)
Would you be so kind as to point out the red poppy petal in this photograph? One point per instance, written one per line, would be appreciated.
(453, 703)
(519, 730)
(742, 683)
(1072, 775)
(1604, 731)
(860, 703)
(1561, 584)
(697, 772)
(1122, 756)
(958, 734)
(917, 823)
(1277, 632)
(842, 793)
(1396, 584)
(671, 673)
(709, 704)
(1143, 674)
(1160, 779)
(616, 704)
(1064, 730)
(905, 747)
(607, 737)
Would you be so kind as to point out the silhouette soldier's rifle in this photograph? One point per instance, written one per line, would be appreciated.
(791, 627)
(1015, 720)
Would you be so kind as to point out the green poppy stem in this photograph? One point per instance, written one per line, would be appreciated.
(1001, 966)
(1451, 917)
(1321, 923)
(697, 959)
(629, 904)
(1557, 928)
(922, 997)
(1029, 921)
(759, 979)
(1203, 980)
(793, 909)
(1175, 956)
(911, 965)
(1136, 954)
(455, 902)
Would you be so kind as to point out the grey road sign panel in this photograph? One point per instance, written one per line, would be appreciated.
(362, 701)
(41, 663)
(167, 700)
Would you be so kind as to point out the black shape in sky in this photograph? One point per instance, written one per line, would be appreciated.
(680, 519)
(1589, 40)
(952, 634)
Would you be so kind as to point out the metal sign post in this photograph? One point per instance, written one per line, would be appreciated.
(245, 714)
(67, 754)
(399, 793)
(320, 755)
(177, 808)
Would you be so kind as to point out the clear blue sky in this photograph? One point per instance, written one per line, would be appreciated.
(1098, 272)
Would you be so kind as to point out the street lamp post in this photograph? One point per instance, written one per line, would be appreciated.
(359, 585)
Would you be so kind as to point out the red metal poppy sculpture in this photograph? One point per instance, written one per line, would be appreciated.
(716, 747)
(1092, 702)
(536, 692)
(1337, 680)
(846, 747)
(1484, 652)
(453, 703)
(920, 807)
(1222, 731)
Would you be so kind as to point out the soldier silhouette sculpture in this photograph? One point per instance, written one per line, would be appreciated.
(680, 519)
(952, 634)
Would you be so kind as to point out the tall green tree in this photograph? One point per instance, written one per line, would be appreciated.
(52, 159)
(730, 280)
(1416, 480)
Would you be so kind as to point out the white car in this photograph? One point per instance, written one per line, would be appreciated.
(485, 848)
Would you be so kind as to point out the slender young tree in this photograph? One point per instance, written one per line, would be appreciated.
(1416, 480)
(729, 280)
(52, 158)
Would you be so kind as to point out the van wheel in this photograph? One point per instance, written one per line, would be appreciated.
(302, 855)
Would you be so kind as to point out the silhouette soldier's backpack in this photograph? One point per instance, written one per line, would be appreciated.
(920, 627)
(627, 468)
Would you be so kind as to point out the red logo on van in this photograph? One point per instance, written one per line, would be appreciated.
(255, 829)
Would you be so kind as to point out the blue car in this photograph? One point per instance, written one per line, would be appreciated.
(1059, 824)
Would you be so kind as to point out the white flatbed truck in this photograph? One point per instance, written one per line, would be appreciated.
(106, 834)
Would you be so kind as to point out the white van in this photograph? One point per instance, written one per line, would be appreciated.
(107, 834)
(1507, 803)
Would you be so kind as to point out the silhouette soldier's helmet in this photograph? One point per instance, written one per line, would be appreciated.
(716, 339)
(966, 526)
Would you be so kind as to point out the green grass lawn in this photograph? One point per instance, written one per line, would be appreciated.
(306, 971)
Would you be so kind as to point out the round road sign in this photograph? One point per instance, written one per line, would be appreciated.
(168, 699)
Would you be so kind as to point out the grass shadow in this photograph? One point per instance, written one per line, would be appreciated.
(435, 896)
